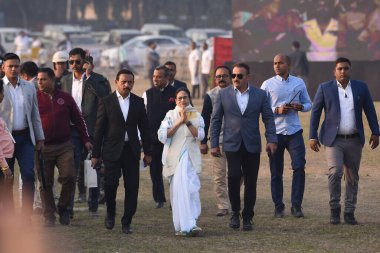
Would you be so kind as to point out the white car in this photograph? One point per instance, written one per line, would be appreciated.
(89, 44)
(134, 51)
(198, 35)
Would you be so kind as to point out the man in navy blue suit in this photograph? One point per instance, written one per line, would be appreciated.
(342, 133)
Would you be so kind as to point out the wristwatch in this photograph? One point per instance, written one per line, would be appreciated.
(188, 123)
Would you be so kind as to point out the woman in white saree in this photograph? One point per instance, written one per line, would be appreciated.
(179, 131)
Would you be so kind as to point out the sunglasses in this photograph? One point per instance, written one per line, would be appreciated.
(77, 62)
(221, 76)
(239, 76)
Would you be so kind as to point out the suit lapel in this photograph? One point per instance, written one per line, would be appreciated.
(250, 99)
(232, 95)
(333, 89)
(131, 102)
(119, 112)
(355, 96)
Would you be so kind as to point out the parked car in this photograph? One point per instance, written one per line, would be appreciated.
(163, 29)
(117, 37)
(133, 52)
(59, 32)
(198, 35)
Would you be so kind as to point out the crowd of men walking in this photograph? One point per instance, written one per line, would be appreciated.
(55, 118)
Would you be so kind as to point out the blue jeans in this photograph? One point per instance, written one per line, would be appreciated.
(296, 147)
(24, 153)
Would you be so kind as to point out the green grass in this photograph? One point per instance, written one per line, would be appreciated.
(153, 229)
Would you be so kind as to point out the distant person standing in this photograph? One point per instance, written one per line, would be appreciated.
(65, 44)
(194, 58)
(206, 67)
(299, 63)
(22, 43)
(152, 60)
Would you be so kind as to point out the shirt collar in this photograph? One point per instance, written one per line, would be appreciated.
(247, 90)
(120, 96)
(6, 80)
(81, 79)
(280, 78)
(341, 86)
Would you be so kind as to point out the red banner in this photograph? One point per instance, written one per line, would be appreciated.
(222, 51)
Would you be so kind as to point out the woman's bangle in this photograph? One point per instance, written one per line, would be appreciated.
(4, 168)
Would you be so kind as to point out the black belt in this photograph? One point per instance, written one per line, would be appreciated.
(20, 132)
(347, 136)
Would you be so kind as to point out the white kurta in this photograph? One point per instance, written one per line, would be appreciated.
(184, 180)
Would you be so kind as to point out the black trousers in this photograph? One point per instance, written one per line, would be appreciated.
(156, 173)
(128, 165)
(243, 164)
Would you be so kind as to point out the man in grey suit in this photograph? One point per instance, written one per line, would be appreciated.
(20, 112)
(241, 106)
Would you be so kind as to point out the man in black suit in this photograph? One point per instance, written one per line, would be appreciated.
(116, 142)
(173, 71)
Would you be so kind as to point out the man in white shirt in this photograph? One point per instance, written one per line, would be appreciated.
(206, 65)
(20, 112)
(194, 58)
(343, 101)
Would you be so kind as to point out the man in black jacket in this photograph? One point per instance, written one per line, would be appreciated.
(172, 67)
(116, 142)
(158, 100)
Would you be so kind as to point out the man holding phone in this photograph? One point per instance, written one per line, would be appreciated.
(288, 95)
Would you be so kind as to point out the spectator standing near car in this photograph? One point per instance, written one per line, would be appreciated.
(152, 60)
(206, 67)
(193, 61)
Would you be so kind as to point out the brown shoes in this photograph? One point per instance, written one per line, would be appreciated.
(222, 212)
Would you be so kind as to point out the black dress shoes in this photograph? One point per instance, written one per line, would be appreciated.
(297, 212)
(247, 225)
(160, 205)
(235, 220)
(109, 222)
(64, 216)
(127, 229)
(279, 211)
(222, 212)
(349, 218)
(335, 216)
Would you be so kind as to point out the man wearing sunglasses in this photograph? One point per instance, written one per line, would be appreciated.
(240, 107)
(219, 164)
(288, 96)
(86, 92)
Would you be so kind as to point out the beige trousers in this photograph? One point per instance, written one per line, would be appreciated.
(219, 168)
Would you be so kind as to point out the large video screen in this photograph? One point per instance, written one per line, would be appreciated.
(326, 29)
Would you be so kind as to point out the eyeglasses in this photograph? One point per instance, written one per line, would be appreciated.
(182, 98)
(222, 76)
(239, 76)
(77, 62)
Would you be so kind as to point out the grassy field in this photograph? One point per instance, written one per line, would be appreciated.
(153, 229)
